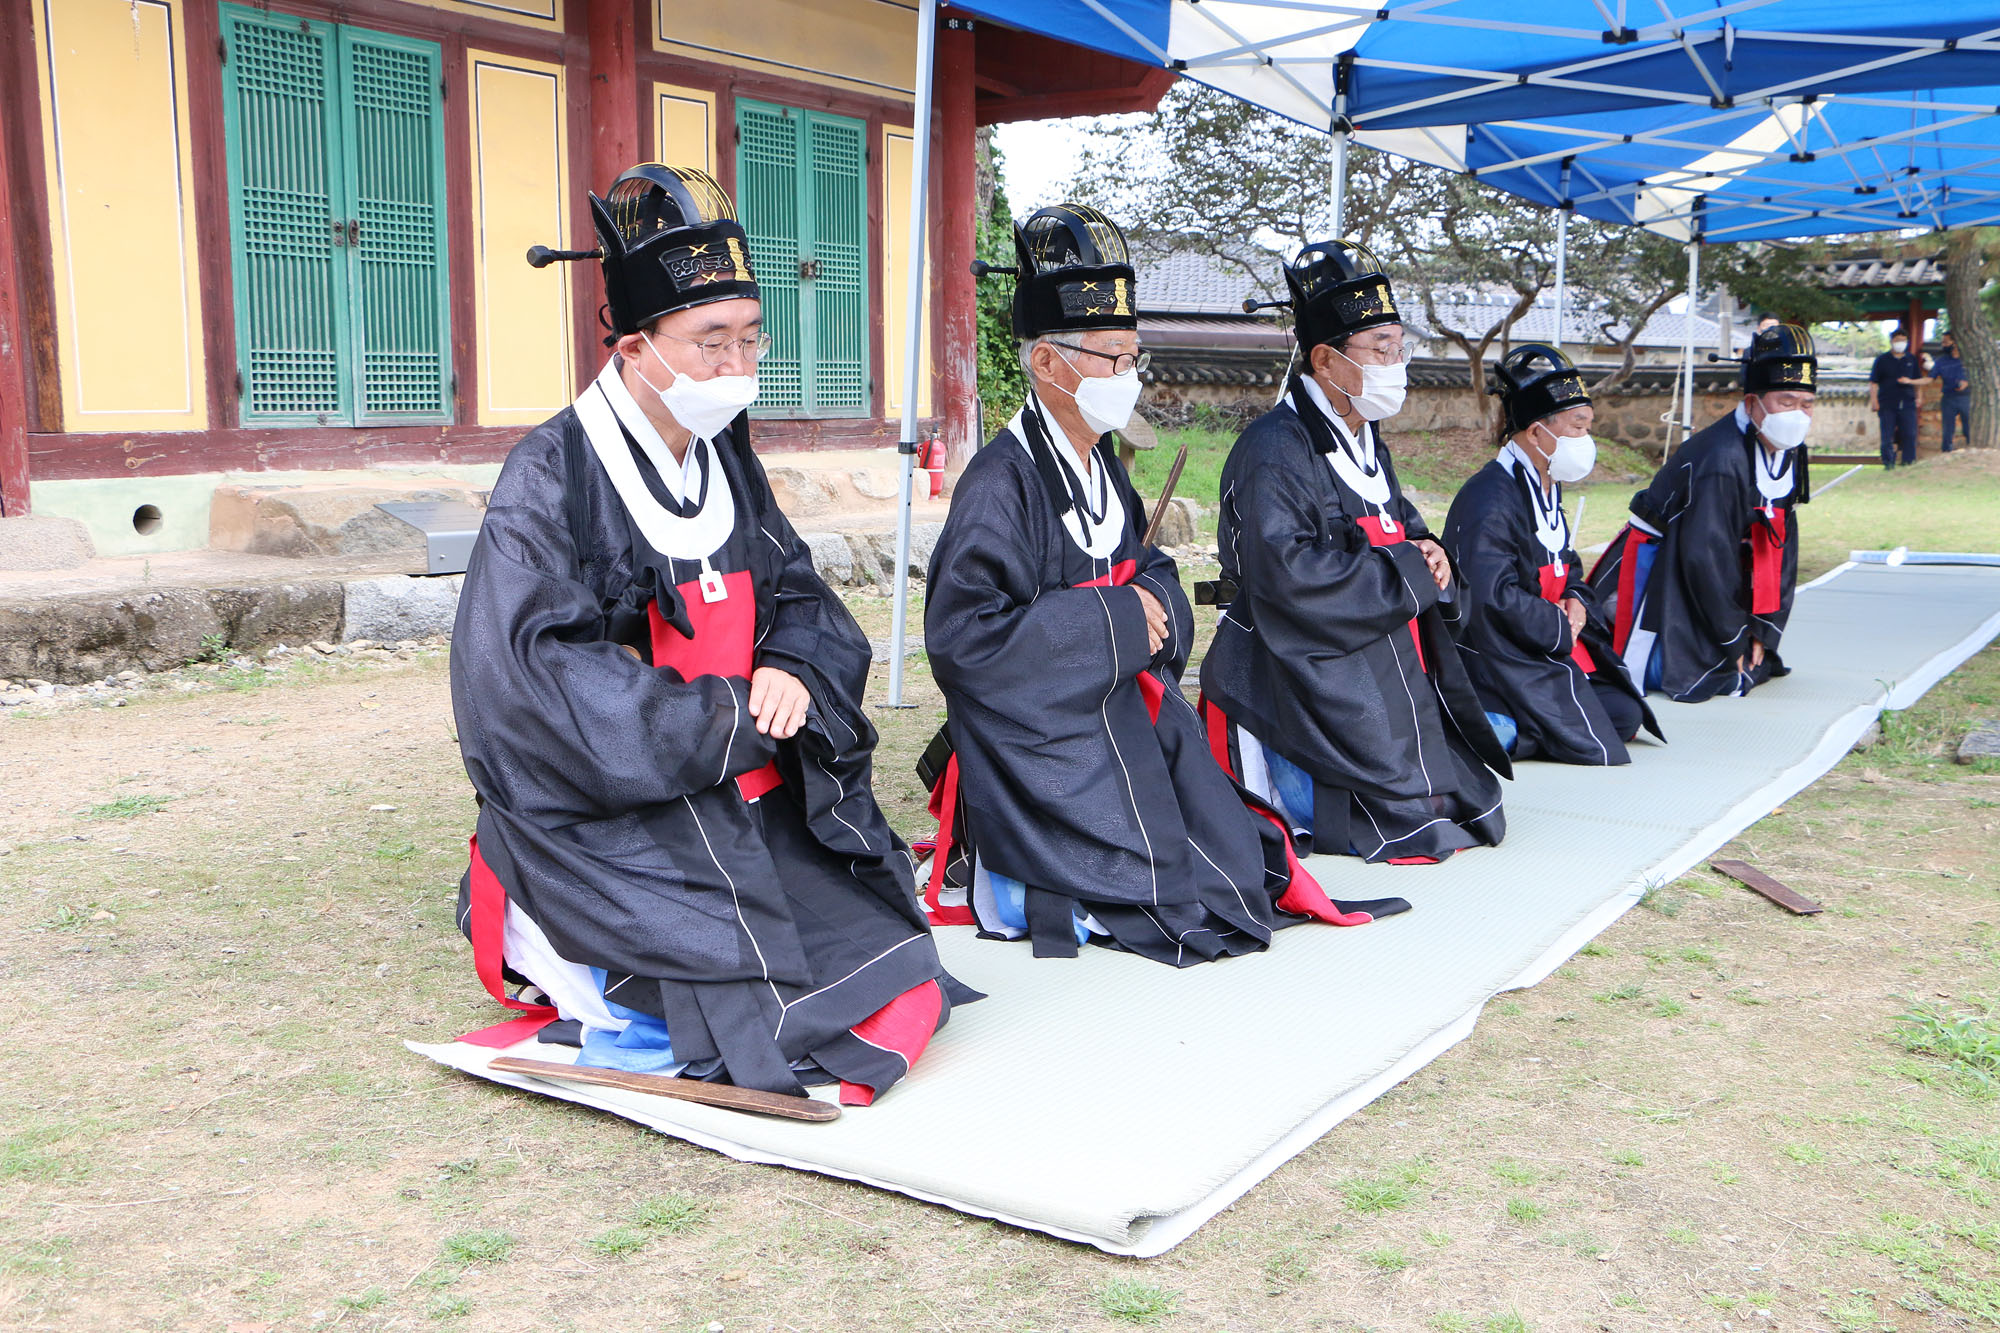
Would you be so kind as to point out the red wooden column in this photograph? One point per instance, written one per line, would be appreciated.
(953, 236)
(13, 357)
(612, 28)
(1914, 323)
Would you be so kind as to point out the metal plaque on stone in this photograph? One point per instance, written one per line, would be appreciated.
(449, 527)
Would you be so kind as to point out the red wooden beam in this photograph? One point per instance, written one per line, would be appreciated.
(612, 27)
(13, 350)
(955, 336)
(1025, 76)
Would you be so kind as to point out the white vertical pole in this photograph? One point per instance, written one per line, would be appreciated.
(1343, 130)
(1562, 251)
(920, 180)
(1687, 369)
(1338, 185)
(1562, 254)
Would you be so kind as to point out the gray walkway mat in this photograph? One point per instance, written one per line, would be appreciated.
(1119, 1103)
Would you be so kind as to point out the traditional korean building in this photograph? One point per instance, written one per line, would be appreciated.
(287, 237)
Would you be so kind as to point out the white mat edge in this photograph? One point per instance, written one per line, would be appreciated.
(1169, 1230)
(446, 1053)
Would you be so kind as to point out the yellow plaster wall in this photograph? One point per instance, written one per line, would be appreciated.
(898, 155)
(868, 46)
(520, 193)
(113, 84)
(534, 13)
(684, 127)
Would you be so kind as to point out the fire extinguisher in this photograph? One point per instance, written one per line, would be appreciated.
(932, 461)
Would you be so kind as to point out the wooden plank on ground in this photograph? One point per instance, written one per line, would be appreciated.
(1784, 896)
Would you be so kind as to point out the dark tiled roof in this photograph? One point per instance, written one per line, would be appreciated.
(1873, 271)
(1176, 284)
(1538, 324)
(1186, 282)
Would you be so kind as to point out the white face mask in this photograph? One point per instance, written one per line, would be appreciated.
(1785, 430)
(1383, 389)
(1573, 456)
(703, 407)
(1106, 401)
(1898, 346)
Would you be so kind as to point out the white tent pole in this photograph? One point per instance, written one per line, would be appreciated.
(1562, 254)
(1687, 351)
(913, 329)
(1339, 184)
(1343, 130)
(1562, 251)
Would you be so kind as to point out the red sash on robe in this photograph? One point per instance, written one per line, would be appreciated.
(1387, 532)
(944, 809)
(905, 1025)
(724, 644)
(1149, 684)
(1303, 896)
(487, 926)
(1767, 561)
(1555, 585)
(1628, 586)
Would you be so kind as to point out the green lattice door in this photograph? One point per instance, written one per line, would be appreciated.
(802, 190)
(336, 192)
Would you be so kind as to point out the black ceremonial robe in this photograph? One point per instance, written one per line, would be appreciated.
(1336, 652)
(1511, 546)
(1708, 563)
(1082, 773)
(777, 938)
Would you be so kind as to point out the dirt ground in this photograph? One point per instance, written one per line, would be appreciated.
(223, 908)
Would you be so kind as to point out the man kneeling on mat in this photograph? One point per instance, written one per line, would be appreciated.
(1076, 795)
(659, 701)
(1698, 585)
(1536, 649)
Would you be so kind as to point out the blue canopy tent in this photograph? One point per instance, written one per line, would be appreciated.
(1512, 91)
(1792, 167)
(1797, 166)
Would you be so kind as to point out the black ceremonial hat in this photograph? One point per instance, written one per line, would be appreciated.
(1073, 273)
(1781, 357)
(1338, 288)
(1537, 380)
(669, 240)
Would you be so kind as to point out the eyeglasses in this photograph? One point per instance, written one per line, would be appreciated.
(717, 351)
(1120, 361)
(1399, 354)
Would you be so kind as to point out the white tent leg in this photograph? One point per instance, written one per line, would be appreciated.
(1338, 185)
(920, 175)
(1562, 255)
(1687, 365)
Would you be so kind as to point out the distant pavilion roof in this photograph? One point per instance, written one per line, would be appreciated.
(1883, 286)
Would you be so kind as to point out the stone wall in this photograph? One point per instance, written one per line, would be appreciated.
(1441, 400)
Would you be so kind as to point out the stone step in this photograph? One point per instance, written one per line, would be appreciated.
(331, 518)
(39, 542)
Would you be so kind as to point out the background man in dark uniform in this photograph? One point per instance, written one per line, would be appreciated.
(1955, 389)
(1892, 396)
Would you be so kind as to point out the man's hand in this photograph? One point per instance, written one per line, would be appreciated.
(778, 701)
(1752, 660)
(1156, 619)
(1434, 556)
(1578, 617)
(1874, 400)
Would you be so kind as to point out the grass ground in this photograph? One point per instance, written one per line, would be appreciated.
(223, 909)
